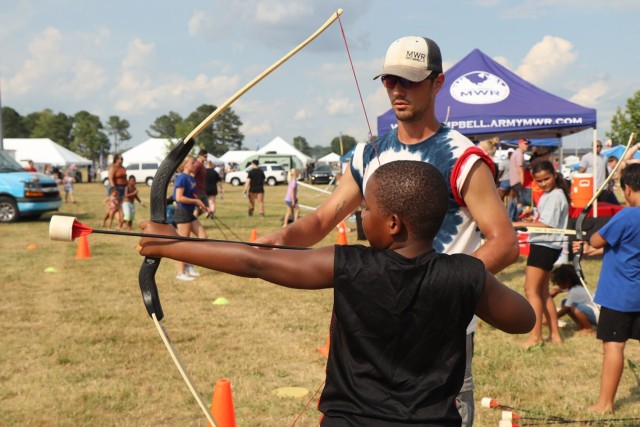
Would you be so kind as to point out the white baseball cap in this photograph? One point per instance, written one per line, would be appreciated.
(413, 58)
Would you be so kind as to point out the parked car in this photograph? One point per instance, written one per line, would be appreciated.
(25, 194)
(144, 172)
(274, 174)
(322, 175)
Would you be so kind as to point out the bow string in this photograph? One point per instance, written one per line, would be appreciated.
(583, 215)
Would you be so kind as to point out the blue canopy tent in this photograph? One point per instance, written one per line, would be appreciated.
(617, 152)
(481, 99)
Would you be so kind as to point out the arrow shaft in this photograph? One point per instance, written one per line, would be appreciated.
(194, 239)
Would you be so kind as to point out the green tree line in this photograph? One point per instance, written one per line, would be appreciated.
(84, 133)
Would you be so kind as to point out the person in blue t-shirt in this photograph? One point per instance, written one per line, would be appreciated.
(619, 286)
(186, 197)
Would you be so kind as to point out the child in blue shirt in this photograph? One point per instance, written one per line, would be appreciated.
(619, 286)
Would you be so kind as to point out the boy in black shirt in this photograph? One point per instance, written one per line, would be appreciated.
(397, 354)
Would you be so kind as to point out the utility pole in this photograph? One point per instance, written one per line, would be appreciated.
(1, 127)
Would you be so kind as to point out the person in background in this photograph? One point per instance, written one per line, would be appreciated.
(184, 193)
(398, 346)
(212, 186)
(291, 199)
(490, 146)
(504, 186)
(552, 212)
(30, 167)
(587, 164)
(200, 175)
(517, 168)
(612, 161)
(618, 293)
(128, 204)
(578, 304)
(254, 187)
(113, 206)
(118, 180)
(67, 183)
(475, 209)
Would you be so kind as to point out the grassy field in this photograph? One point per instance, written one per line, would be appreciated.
(77, 346)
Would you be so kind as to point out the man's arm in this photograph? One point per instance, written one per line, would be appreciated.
(299, 269)
(310, 229)
(500, 248)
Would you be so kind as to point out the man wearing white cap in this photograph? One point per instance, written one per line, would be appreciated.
(412, 75)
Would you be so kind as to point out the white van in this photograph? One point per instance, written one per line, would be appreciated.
(144, 172)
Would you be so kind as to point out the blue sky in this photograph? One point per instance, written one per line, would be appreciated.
(142, 59)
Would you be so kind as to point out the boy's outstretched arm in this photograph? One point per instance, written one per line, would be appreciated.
(504, 308)
(300, 269)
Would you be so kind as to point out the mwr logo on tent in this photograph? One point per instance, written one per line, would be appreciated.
(479, 87)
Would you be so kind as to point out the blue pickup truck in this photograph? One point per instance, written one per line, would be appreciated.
(25, 194)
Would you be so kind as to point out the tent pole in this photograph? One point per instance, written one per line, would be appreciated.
(595, 170)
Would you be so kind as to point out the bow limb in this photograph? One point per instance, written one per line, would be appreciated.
(170, 164)
(583, 215)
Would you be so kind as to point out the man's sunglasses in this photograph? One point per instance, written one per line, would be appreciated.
(390, 82)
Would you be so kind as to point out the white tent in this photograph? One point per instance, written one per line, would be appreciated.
(153, 150)
(330, 158)
(236, 156)
(43, 151)
(280, 146)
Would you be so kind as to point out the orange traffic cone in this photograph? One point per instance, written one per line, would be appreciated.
(324, 350)
(342, 234)
(83, 248)
(254, 235)
(222, 405)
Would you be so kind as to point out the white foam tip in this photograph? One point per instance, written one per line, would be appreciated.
(61, 228)
(505, 423)
(507, 415)
(486, 402)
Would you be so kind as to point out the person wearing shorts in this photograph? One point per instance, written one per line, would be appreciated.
(618, 292)
(184, 193)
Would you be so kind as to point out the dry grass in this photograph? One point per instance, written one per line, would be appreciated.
(78, 348)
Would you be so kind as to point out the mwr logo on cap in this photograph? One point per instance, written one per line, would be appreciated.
(413, 58)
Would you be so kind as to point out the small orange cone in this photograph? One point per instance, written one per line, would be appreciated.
(254, 235)
(324, 350)
(83, 248)
(222, 405)
(342, 234)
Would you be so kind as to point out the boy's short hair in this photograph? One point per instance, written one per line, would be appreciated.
(132, 177)
(255, 162)
(414, 190)
(202, 152)
(564, 274)
(631, 176)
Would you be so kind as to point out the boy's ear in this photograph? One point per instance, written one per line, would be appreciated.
(395, 225)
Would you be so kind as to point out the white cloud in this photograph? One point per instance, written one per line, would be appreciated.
(276, 12)
(533, 9)
(589, 96)
(547, 58)
(45, 63)
(13, 21)
(302, 114)
(256, 129)
(339, 105)
(204, 24)
(502, 61)
(89, 78)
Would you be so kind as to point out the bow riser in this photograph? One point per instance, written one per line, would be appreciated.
(158, 208)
